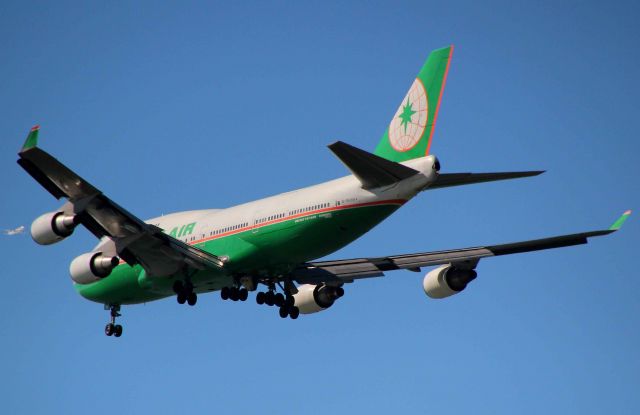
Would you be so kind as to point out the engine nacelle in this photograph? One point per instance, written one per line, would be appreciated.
(313, 298)
(92, 267)
(52, 227)
(447, 280)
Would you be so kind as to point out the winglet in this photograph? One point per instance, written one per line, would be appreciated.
(618, 223)
(32, 138)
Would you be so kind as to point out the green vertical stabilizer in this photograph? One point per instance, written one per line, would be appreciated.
(409, 133)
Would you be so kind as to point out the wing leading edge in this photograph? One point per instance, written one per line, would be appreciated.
(347, 270)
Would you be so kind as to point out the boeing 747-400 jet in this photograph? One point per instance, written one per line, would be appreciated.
(270, 245)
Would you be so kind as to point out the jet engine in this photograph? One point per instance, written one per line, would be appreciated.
(52, 227)
(313, 298)
(92, 267)
(446, 281)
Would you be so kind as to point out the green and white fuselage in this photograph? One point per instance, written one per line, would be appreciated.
(269, 236)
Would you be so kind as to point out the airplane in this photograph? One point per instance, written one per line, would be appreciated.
(273, 244)
(16, 231)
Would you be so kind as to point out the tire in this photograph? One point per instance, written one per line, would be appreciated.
(243, 294)
(283, 311)
(224, 293)
(290, 301)
(188, 288)
(118, 330)
(234, 295)
(109, 329)
(268, 298)
(178, 286)
(278, 300)
(294, 313)
(260, 298)
(339, 292)
(192, 299)
(182, 298)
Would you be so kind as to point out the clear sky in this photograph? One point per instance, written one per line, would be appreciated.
(205, 104)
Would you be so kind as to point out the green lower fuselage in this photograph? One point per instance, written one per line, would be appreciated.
(270, 249)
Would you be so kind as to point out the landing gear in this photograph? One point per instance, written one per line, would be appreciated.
(234, 294)
(284, 302)
(184, 293)
(113, 329)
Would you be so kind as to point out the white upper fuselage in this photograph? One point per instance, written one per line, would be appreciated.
(211, 223)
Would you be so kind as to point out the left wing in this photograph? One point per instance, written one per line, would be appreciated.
(347, 270)
(136, 242)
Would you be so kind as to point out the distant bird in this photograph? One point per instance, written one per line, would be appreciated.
(16, 231)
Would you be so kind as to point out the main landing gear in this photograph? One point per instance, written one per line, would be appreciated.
(113, 329)
(234, 293)
(286, 304)
(185, 294)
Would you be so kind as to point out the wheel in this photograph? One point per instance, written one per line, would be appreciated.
(192, 299)
(339, 292)
(283, 311)
(268, 298)
(182, 298)
(118, 330)
(188, 288)
(109, 329)
(224, 293)
(294, 313)
(243, 294)
(260, 298)
(278, 300)
(178, 286)
(233, 294)
(290, 301)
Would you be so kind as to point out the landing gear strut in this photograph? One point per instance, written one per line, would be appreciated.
(185, 294)
(113, 329)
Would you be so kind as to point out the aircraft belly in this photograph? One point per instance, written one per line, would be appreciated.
(131, 285)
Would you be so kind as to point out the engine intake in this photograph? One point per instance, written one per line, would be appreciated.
(447, 280)
(52, 227)
(92, 267)
(313, 298)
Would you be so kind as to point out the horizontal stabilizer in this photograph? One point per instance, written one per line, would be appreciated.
(459, 179)
(373, 171)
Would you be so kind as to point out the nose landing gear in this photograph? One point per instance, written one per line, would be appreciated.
(113, 329)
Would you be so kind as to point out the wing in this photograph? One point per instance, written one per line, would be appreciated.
(136, 242)
(347, 270)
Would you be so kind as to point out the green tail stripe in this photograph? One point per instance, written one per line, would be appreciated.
(411, 129)
(618, 223)
(32, 138)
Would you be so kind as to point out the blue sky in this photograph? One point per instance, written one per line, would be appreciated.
(198, 105)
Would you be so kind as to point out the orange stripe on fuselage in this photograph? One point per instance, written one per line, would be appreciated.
(299, 215)
(399, 202)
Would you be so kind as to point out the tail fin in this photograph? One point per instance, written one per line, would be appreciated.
(409, 133)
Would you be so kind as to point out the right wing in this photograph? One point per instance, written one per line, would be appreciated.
(347, 270)
(136, 242)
